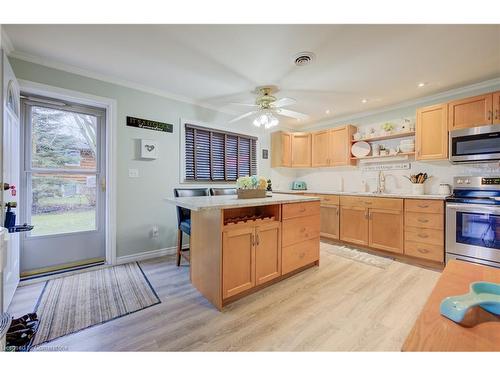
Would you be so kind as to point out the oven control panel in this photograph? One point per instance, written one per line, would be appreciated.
(490, 181)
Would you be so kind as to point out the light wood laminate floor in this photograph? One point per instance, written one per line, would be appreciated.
(343, 305)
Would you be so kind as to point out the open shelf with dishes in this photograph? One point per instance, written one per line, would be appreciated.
(385, 137)
(383, 156)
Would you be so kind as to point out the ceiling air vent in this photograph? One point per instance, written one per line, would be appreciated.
(304, 58)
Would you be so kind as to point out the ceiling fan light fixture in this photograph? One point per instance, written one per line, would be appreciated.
(266, 119)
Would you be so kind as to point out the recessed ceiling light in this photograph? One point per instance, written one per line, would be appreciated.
(421, 84)
(364, 101)
(327, 111)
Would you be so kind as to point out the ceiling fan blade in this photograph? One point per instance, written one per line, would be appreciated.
(245, 104)
(243, 116)
(292, 114)
(283, 102)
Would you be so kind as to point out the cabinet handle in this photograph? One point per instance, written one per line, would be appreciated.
(490, 113)
(253, 239)
(258, 239)
(302, 255)
(423, 251)
(423, 220)
(337, 211)
(302, 230)
(423, 235)
(423, 205)
(366, 202)
(303, 209)
(366, 215)
(497, 114)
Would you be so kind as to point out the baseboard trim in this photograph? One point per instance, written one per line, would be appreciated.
(148, 254)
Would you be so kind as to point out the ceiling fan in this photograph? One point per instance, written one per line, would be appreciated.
(268, 106)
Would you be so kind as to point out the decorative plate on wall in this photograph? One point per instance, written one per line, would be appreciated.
(361, 149)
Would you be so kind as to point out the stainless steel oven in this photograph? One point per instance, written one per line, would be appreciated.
(473, 220)
(472, 145)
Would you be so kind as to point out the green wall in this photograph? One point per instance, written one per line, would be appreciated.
(140, 201)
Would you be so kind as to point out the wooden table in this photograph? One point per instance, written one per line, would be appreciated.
(480, 330)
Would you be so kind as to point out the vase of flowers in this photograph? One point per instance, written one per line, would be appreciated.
(251, 187)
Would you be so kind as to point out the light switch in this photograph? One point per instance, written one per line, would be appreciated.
(133, 172)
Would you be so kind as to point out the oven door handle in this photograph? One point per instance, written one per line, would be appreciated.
(474, 208)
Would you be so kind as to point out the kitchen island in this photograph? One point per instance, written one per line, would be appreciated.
(239, 246)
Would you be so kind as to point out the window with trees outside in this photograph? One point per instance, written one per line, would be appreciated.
(215, 155)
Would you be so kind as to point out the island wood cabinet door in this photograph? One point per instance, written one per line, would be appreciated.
(301, 150)
(386, 230)
(354, 225)
(267, 252)
(432, 132)
(238, 260)
(496, 107)
(470, 112)
(329, 222)
(321, 148)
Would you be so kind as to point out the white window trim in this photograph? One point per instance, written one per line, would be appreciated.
(182, 151)
(110, 106)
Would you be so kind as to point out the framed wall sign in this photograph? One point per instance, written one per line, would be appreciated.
(149, 124)
(149, 149)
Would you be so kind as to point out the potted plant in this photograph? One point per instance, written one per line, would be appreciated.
(251, 187)
(388, 128)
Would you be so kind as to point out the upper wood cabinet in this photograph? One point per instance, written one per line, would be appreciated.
(330, 148)
(321, 148)
(301, 150)
(432, 132)
(281, 149)
(496, 107)
(470, 112)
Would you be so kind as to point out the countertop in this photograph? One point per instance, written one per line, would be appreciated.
(480, 331)
(232, 201)
(384, 195)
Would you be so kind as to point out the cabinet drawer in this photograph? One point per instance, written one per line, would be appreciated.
(299, 255)
(370, 202)
(300, 229)
(291, 210)
(424, 235)
(424, 205)
(327, 199)
(424, 220)
(424, 251)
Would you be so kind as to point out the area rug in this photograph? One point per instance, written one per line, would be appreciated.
(359, 256)
(73, 303)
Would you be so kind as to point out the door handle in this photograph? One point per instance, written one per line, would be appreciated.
(103, 184)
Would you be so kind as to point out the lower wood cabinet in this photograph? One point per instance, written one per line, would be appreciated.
(378, 228)
(300, 254)
(251, 255)
(238, 260)
(354, 225)
(386, 230)
(267, 252)
(330, 222)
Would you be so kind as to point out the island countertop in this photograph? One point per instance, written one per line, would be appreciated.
(232, 201)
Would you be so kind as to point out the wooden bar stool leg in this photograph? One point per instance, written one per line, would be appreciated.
(179, 246)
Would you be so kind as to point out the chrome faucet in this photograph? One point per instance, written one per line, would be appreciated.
(381, 183)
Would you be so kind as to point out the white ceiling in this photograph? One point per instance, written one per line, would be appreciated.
(218, 64)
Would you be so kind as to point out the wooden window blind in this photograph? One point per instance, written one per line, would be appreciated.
(215, 155)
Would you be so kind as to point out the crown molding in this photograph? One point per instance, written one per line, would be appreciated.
(488, 84)
(110, 79)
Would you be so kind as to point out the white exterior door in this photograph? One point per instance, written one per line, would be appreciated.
(11, 170)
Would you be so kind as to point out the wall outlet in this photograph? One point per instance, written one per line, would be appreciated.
(155, 231)
(133, 172)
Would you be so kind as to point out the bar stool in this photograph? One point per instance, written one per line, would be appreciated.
(184, 218)
(223, 191)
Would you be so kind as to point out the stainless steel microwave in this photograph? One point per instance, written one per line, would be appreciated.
(474, 145)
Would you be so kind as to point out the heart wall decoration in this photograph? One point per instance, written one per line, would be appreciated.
(149, 149)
